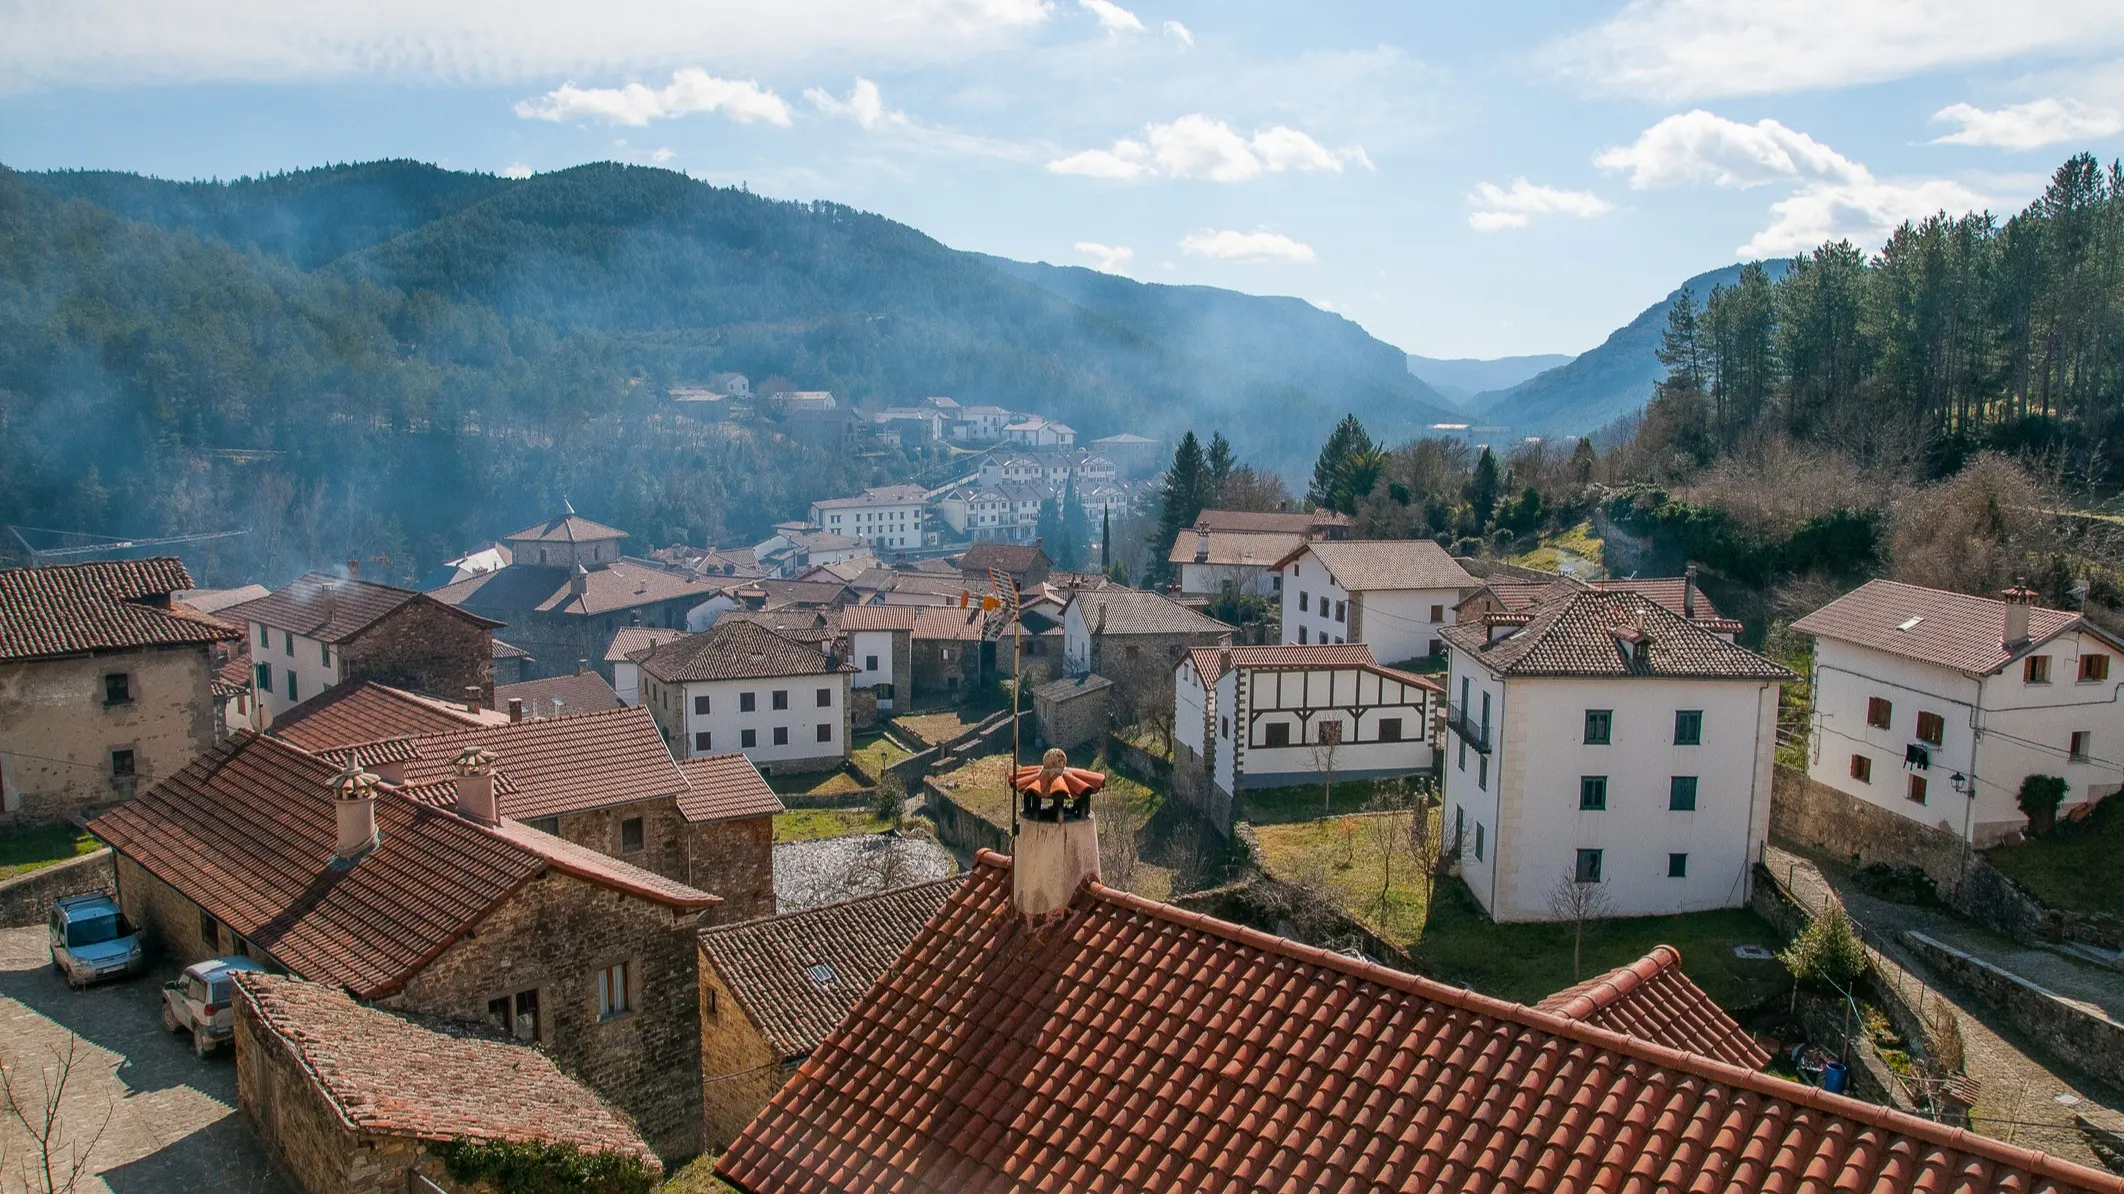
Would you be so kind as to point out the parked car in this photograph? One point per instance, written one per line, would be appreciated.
(91, 940)
(200, 1001)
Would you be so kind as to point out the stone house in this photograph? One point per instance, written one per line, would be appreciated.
(1026, 563)
(427, 900)
(1393, 595)
(353, 1099)
(568, 590)
(945, 646)
(321, 630)
(1073, 711)
(1135, 639)
(738, 685)
(627, 642)
(105, 686)
(730, 811)
(881, 648)
(773, 988)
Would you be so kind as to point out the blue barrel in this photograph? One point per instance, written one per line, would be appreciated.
(1835, 1077)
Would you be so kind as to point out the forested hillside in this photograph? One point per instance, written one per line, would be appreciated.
(395, 360)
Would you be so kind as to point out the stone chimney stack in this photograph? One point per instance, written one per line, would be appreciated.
(582, 666)
(472, 698)
(516, 710)
(1689, 593)
(353, 569)
(354, 805)
(578, 581)
(2020, 602)
(1202, 547)
(1057, 846)
(474, 766)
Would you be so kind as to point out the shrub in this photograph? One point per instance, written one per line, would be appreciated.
(518, 1167)
(890, 800)
(2040, 797)
(1827, 952)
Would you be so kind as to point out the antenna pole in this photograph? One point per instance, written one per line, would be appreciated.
(1017, 681)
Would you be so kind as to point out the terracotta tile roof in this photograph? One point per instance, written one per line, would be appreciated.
(1210, 662)
(213, 601)
(725, 788)
(1951, 629)
(773, 965)
(629, 639)
(560, 764)
(232, 678)
(569, 528)
(1133, 611)
(941, 585)
(948, 623)
(353, 714)
(560, 696)
(112, 605)
(804, 592)
(1371, 564)
(877, 495)
(330, 609)
(804, 625)
(1265, 522)
(397, 1075)
(1652, 999)
(878, 617)
(504, 650)
(1123, 1044)
(1587, 632)
(545, 589)
(1234, 548)
(1667, 590)
(735, 650)
(1013, 558)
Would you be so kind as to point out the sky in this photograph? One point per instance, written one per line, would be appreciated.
(1464, 180)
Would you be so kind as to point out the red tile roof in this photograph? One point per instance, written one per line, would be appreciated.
(1229, 548)
(948, 623)
(878, 617)
(1260, 522)
(347, 715)
(735, 650)
(1949, 629)
(560, 764)
(1518, 595)
(547, 590)
(560, 696)
(1133, 611)
(1652, 999)
(395, 1075)
(771, 964)
(112, 605)
(1361, 565)
(725, 788)
(1577, 631)
(629, 639)
(569, 528)
(1011, 558)
(1126, 1045)
(1210, 662)
(330, 609)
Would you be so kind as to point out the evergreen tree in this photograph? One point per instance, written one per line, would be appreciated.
(1681, 347)
(1348, 439)
(1219, 464)
(1484, 486)
(1186, 492)
(1583, 458)
(1075, 530)
(1049, 528)
(1106, 540)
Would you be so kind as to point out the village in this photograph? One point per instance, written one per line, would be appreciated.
(893, 852)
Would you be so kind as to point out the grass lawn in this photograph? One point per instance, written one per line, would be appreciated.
(698, 1177)
(25, 850)
(937, 725)
(1273, 806)
(811, 824)
(1576, 547)
(872, 752)
(817, 783)
(2075, 868)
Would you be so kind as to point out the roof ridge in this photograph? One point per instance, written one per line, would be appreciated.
(873, 897)
(1694, 1064)
(1604, 989)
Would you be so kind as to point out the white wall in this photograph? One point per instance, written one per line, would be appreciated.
(626, 681)
(1190, 705)
(1076, 641)
(866, 645)
(1208, 580)
(295, 654)
(879, 526)
(1309, 597)
(725, 722)
(1395, 623)
(1358, 699)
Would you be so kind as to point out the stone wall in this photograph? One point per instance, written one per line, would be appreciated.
(555, 935)
(1193, 786)
(26, 900)
(735, 860)
(739, 1073)
(863, 707)
(961, 827)
(1145, 767)
(944, 667)
(59, 734)
(1073, 712)
(1141, 667)
(169, 923)
(2089, 1038)
(428, 647)
(1815, 818)
(1992, 899)
(665, 835)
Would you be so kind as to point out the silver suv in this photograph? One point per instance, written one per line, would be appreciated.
(91, 940)
(201, 1001)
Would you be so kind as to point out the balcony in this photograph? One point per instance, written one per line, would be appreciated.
(1475, 734)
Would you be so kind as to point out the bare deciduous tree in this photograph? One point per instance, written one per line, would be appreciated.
(1327, 743)
(58, 1156)
(1576, 902)
(1118, 857)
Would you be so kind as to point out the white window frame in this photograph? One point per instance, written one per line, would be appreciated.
(615, 990)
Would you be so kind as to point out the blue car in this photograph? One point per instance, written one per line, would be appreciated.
(91, 940)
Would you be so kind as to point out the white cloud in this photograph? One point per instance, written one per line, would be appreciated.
(2028, 126)
(661, 155)
(1107, 259)
(1498, 208)
(479, 41)
(1231, 245)
(1112, 17)
(1197, 147)
(691, 90)
(1836, 197)
(1687, 49)
(516, 170)
(1179, 32)
(864, 105)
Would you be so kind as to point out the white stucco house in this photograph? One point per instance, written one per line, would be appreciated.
(1277, 716)
(739, 686)
(1393, 595)
(1208, 562)
(1936, 705)
(885, 516)
(1601, 737)
(880, 649)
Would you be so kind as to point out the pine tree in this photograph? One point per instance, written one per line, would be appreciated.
(1075, 530)
(1219, 464)
(1681, 347)
(1348, 439)
(1484, 486)
(1049, 528)
(1106, 540)
(1186, 491)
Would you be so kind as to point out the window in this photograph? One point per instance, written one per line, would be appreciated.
(1463, 752)
(1681, 794)
(1677, 866)
(825, 731)
(516, 1014)
(1437, 613)
(209, 932)
(287, 645)
(1588, 866)
(1862, 769)
(748, 701)
(1482, 772)
(1304, 601)
(1390, 729)
(1342, 611)
(825, 698)
(265, 636)
(631, 835)
(747, 739)
(1916, 792)
(1478, 841)
(700, 706)
(1329, 732)
(780, 699)
(265, 677)
(781, 735)
(291, 688)
(117, 689)
(2076, 751)
(547, 825)
(2094, 667)
(703, 740)
(1593, 792)
(324, 654)
(1224, 727)
(1880, 714)
(1688, 727)
(870, 663)
(2035, 669)
(1276, 733)
(122, 763)
(1600, 725)
(1931, 728)
(1301, 635)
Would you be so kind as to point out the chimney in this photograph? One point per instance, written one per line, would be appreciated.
(1224, 660)
(578, 581)
(472, 698)
(474, 766)
(353, 569)
(582, 666)
(1202, 547)
(2020, 602)
(1689, 593)
(516, 710)
(1057, 846)
(354, 805)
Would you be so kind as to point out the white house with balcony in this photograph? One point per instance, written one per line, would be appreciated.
(1598, 737)
(884, 516)
(739, 686)
(1393, 595)
(1936, 706)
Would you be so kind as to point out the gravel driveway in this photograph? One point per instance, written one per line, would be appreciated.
(172, 1124)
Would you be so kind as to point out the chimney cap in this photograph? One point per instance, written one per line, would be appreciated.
(2020, 593)
(474, 760)
(353, 783)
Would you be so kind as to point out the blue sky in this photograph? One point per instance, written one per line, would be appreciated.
(1462, 179)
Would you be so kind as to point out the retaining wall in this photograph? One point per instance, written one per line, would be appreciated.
(2083, 1034)
(960, 826)
(26, 900)
(1818, 819)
